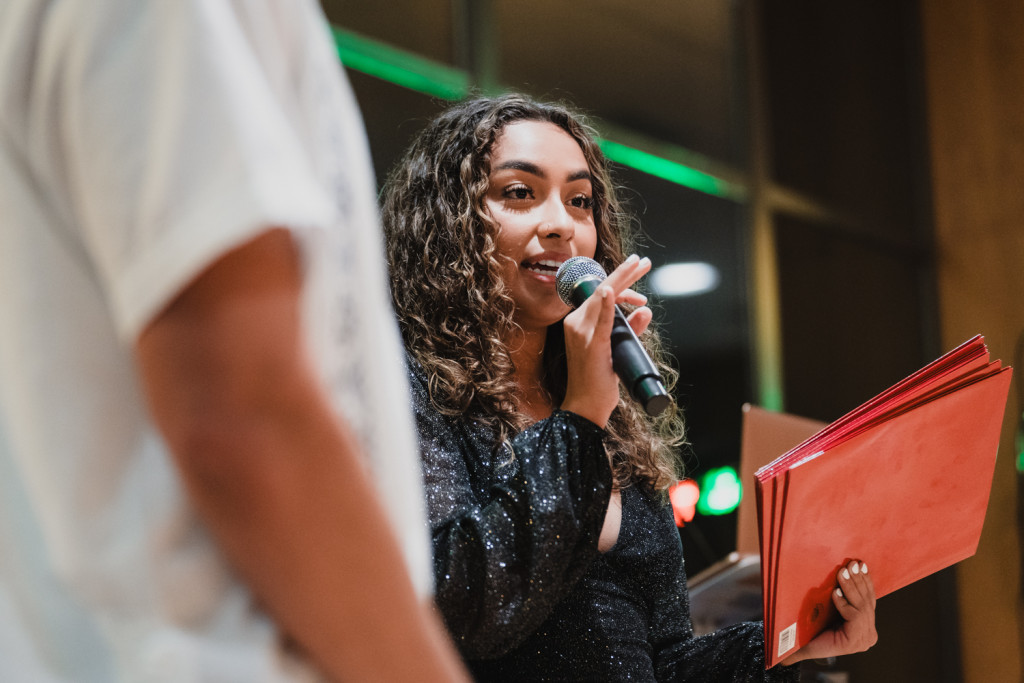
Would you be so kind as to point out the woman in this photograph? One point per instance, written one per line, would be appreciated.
(556, 555)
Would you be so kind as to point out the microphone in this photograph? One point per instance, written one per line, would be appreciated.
(577, 279)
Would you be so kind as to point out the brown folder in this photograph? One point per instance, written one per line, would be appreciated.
(766, 435)
(729, 591)
(902, 483)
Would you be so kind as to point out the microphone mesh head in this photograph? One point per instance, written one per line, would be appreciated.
(574, 270)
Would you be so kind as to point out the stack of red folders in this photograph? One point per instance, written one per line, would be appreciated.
(901, 483)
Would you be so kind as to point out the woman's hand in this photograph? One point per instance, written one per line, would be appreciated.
(855, 600)
(592, 388)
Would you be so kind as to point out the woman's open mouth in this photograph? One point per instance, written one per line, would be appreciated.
(543, 267)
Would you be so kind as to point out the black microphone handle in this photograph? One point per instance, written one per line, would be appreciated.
(630, 361)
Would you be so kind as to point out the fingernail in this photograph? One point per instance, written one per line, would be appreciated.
(856, 568)
(633, 258)
(846, 574)
(839, 592)
(604, 292)
(645, 261)
(864, 567)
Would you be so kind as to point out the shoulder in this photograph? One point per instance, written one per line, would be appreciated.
(429, 418)
(418, 382)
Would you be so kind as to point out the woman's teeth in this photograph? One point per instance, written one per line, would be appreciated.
(544, 267)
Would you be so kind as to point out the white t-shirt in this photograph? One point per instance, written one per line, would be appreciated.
(139, 141)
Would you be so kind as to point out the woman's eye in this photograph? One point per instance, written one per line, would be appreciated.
(582, 202)
(518, 192)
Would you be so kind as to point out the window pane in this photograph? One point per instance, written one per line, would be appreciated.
(845, 126)
(423, 27)
(392, 115)
(663, 68)
(851, 319)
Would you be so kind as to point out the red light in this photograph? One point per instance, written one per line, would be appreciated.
(684, 496)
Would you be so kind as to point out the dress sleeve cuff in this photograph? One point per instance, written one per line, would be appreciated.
(585, 426)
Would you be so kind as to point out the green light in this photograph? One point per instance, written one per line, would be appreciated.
(720, 491)
(397, 66)
(771, 395)
(408, 70)
(666, 169)
(1020, 444)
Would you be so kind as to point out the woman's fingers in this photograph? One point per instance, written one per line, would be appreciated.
(592, 387)
(605, 313)
(628, 272)
(631, 297)
(640, 319)
(618, 286)
(597, 311)
(855, 600)
(620, 280)
(856, 586)
(848, 586)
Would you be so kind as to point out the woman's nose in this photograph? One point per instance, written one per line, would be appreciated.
(556, 223)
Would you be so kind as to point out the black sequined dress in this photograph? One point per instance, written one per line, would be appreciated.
(520, 583)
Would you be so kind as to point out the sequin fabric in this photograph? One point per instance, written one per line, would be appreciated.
(521, 585)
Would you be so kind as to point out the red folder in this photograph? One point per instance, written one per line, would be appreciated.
(902, 483)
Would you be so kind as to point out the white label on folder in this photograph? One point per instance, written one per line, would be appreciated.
(787, 639)
(806, 459)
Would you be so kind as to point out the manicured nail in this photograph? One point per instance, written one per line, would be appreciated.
(864, 567)
(856, 568)
(846, 574)
(604, 292)
(633, 258)
(839, 592)
(645, 261)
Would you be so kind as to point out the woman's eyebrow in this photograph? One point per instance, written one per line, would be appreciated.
(525, 166)
(534, 169)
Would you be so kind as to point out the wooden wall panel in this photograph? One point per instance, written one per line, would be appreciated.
(974, 63)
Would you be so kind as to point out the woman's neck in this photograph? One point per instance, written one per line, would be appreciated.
(528, 357)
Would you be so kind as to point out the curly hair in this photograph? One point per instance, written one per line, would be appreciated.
(454, 308)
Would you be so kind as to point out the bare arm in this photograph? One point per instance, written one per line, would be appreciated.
(277, 477)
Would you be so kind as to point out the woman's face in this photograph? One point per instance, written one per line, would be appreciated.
(540, 195)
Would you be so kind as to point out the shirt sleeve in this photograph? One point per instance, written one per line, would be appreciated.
(178, 144)
(506, 555)
(734, 654)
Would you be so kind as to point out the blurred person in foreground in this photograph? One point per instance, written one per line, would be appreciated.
(200, 374)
